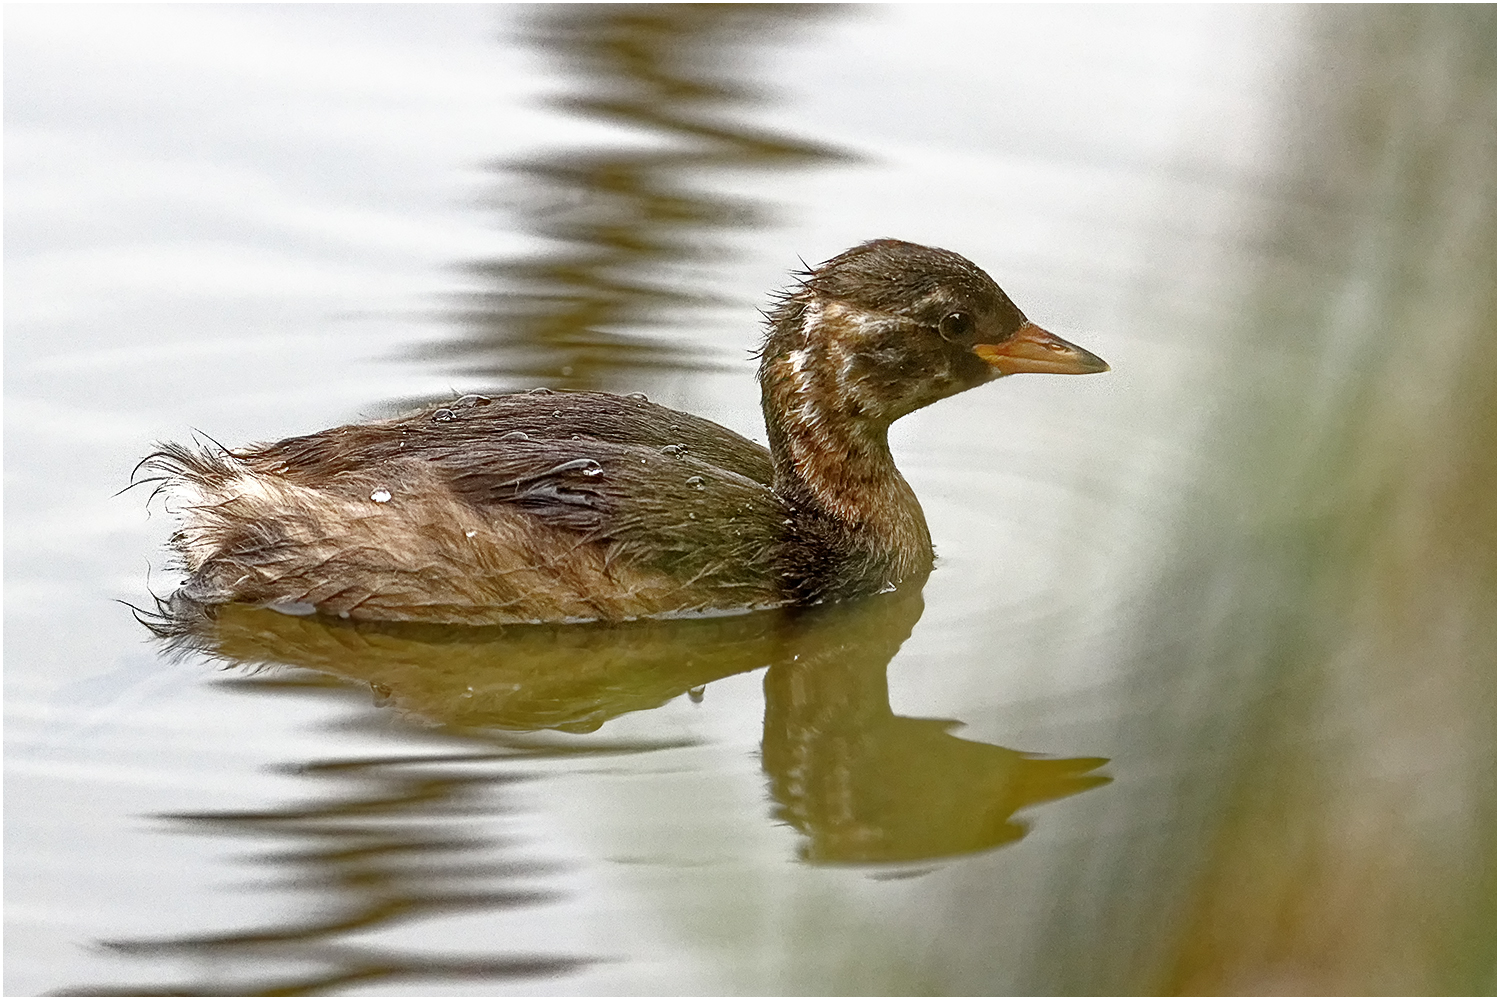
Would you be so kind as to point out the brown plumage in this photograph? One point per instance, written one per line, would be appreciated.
(551, 506)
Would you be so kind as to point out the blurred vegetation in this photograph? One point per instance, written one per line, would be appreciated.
(1314, 670)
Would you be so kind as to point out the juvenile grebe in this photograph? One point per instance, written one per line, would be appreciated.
(560, 506)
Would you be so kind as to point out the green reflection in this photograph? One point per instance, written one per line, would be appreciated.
(861, 783)
(866, 785)
(378, 840)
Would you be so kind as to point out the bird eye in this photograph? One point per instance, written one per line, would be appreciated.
(956, 326)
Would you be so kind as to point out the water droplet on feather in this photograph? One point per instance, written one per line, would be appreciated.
(472, 399)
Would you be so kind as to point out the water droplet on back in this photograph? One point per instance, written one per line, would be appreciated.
(673, 449)
(696, 482)
(381, 496)
(639, 397)
(515, 436)
(472, 399)
(540, 390)
(444, 416)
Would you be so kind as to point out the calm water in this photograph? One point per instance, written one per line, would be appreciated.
(1199, 699)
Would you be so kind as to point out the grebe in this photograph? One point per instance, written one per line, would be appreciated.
(574, 506)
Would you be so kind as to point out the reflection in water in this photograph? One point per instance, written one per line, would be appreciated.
(383, 839)
(861, 783)
(627, 228)
(377, 841)
(572, 678)
(866, 785)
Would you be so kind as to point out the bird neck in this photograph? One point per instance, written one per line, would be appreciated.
(829, 453)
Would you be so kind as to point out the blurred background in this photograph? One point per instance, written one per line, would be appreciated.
(1219, 626)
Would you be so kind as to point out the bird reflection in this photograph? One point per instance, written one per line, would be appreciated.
(866, 785)
(627, 227)
(859, 782)
(385, 839)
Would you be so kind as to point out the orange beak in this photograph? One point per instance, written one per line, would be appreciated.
(1033, 349)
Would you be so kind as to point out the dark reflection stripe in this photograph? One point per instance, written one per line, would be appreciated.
(377, 844)
(358, 966)
(628, 228)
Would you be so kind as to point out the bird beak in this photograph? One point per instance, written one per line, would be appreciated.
(1033, 349)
